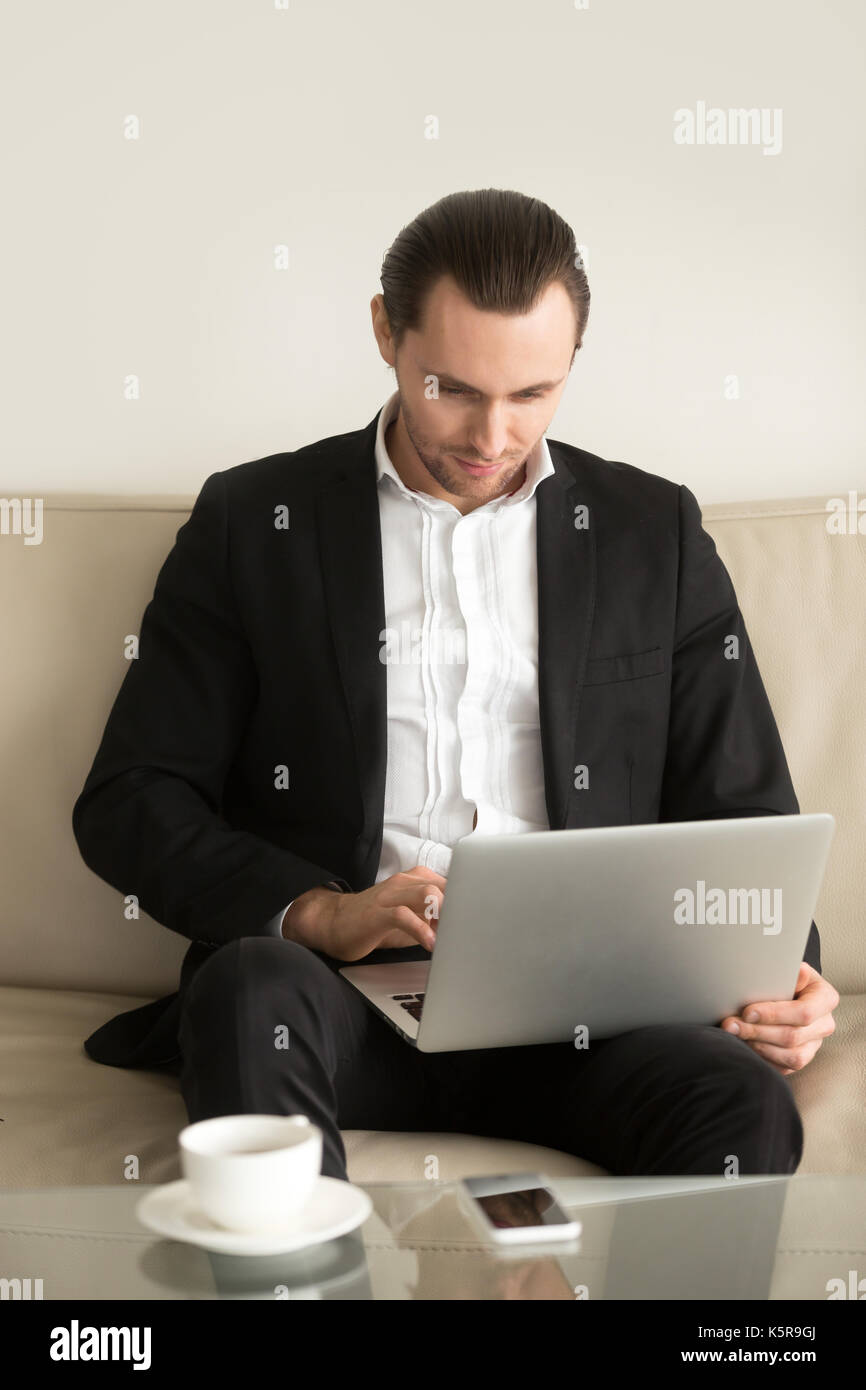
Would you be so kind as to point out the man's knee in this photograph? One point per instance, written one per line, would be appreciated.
(718, 1063)
(710, 1058)
(765, 1095)
(249, 962)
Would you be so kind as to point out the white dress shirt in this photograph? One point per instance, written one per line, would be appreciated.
(464, 745)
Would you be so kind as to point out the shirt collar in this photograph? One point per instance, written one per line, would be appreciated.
(539, 465)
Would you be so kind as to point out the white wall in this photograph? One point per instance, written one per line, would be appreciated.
(305, 126)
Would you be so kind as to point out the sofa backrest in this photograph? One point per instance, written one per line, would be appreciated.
(69, 603)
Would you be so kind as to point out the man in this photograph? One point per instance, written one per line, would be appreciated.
(360, 652)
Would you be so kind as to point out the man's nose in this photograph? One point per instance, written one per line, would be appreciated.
(489, 435)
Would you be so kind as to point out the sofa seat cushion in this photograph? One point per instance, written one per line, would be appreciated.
(829, 1095)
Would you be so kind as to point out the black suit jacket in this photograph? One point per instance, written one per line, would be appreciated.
(260, 649)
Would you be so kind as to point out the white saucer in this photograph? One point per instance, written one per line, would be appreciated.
(334, 1208)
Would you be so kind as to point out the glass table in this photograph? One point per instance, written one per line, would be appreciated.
(799, 1237)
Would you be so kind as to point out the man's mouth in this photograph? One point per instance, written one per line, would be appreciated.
(476, 469)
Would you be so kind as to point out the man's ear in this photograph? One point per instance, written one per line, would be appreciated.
(382, 329)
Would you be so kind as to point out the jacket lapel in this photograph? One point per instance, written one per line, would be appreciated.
(351, 547)
(566, 559)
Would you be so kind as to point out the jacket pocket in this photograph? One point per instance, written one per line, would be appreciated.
(603, 669)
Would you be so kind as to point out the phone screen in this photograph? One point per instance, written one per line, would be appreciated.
(516, 1200)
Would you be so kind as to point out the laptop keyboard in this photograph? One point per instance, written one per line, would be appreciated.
(412, 1003)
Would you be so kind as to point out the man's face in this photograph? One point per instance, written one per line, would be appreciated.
(496, 382)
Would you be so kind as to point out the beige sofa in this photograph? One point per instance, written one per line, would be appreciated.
(70, 959)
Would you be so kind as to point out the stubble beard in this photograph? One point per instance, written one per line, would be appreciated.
(451, 478)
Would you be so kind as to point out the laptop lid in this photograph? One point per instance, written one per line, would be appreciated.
(580, 934)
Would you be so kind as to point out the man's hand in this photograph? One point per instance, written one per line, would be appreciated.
(401, 911)
(788, 1032)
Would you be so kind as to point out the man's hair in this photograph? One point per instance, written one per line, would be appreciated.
(501, 247)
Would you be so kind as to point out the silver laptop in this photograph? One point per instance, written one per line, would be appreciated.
(570, 935)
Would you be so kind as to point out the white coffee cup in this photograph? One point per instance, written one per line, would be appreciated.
(251, 1173)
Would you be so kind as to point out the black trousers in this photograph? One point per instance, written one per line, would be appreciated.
(269, 1026)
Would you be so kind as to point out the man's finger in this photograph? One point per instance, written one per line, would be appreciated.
(787, 1058)
(812, 1002)
(781, 1035)
(409, 921)
(421, 871)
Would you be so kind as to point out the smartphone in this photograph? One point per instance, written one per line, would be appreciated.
(517, 1209)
